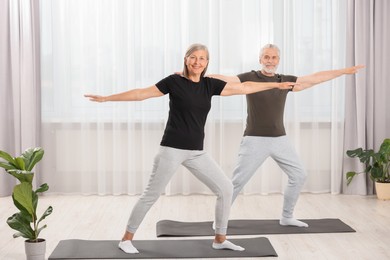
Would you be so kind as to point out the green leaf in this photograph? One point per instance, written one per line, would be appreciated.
(34, 204)
(21, 224)
(23, 211)
(355, 153)
(32, 157)
(40, 229)
(18, 234)
(48, 211)
(376, 173)
(363, 155)
(385, 147)
(22, 176)
(7, 157)
(350, 176)
(366, 156)
(44, 187)
(6, 166)
(368, 168)
(20, 164)
(23, 195)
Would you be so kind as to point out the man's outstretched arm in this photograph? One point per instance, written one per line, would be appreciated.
(322, 76)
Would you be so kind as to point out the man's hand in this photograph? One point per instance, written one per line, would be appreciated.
(353, 70)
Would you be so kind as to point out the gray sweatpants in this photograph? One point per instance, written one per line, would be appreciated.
(198, 163)
(253, 152)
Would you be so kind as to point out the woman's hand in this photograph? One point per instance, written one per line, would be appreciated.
(287, 85)
(95, 98)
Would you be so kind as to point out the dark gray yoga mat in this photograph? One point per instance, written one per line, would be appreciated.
(154, 249)
(170, 228)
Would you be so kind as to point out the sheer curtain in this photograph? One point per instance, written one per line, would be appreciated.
(106, 47)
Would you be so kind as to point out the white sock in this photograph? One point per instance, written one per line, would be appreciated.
(292, 222)
(128, 247)
(227, 245)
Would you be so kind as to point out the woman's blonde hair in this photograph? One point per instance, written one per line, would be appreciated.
(195, 47)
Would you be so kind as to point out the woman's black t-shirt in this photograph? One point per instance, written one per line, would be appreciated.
(189, 104)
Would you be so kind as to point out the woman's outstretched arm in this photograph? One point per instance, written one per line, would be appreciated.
(138, 94)
(249, 87)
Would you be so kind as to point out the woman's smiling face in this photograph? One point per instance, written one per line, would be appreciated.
(196, 62)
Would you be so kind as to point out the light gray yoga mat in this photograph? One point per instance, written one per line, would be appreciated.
(249, 227)
(154, 249)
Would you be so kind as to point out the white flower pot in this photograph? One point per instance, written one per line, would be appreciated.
(35, 250)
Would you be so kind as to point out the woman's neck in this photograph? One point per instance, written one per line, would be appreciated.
(194, 77)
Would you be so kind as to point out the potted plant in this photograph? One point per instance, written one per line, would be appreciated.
(25, 199)
(377, 165)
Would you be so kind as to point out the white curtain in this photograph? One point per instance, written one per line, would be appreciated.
(106, 47)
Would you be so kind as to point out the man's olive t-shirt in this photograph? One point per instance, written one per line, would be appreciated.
(266, 108)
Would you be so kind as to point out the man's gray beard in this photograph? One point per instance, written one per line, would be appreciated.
(270, 71)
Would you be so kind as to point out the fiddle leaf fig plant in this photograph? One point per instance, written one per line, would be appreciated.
(25, 198)
(377, 163)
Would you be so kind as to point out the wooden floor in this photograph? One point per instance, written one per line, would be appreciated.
(104, 217)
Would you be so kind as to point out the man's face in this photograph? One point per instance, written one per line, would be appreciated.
(269, 61)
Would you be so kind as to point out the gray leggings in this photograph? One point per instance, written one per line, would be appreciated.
(198, 163)
(253, 152)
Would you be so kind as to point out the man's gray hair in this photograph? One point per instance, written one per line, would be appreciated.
(269, 46)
